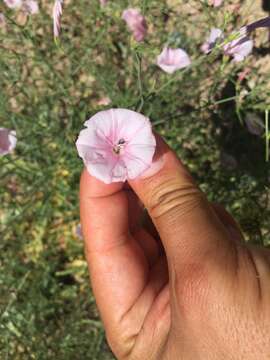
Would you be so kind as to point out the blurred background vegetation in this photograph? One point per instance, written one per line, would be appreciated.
(212, 117)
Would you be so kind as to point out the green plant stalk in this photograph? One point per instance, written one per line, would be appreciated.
(267, 135)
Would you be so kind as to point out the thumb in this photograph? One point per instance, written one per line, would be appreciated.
(187, 223)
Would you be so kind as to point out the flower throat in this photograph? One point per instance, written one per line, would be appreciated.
(119, 146)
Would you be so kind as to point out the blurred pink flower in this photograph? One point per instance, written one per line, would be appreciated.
(13, 4)
(57, 13)
(117, 144)
(103, 2)
(243, 74)
(210, 42)
(8, 141)
(215, 3)
(104, 101)
(242, 45)
(136, 23)
(30, 7)
(171, 60)
(239, 49)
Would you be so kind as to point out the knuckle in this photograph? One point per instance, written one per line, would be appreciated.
(121, 342)
(173, 197)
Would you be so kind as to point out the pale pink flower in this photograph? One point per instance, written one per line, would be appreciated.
(117, 144)
(215, 35)
(57, 13)
(8, 141)
(13, 4)
(103, 2)
(136, 23)
(104, 101)
(242, 45)
(243, 74)
(239, 49)
(171, 60)
(215, 3)
(30, 7)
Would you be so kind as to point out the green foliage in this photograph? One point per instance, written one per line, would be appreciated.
(48, 90)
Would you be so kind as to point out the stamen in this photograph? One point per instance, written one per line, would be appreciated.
(119, 146)
(121, 142)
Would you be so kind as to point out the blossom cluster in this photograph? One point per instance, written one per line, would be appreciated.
(118, 144)
(171, 59)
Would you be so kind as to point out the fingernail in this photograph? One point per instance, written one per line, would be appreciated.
(158, 159)
(155, 167)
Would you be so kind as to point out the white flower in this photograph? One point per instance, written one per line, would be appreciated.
(30, 7)
(57, 13)
(8, 141)
(171, 60)
(13, 4)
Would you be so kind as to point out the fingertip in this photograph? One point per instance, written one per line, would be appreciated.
(165, 162)
(92, 187)
(91, 190)
(158, 159)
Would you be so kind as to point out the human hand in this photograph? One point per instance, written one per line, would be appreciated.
(188, 288)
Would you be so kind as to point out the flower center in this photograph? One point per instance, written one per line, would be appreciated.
(119, 146)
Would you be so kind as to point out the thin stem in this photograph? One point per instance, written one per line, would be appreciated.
(139, 79)
(12, 300)
(267, 137)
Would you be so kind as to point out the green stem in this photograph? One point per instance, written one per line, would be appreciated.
(267, 135)
(139, 78)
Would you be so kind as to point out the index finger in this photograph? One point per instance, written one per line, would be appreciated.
(117, 264)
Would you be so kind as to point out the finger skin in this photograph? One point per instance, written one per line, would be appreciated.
(187, 224)
(186, 309)
(228, 221)
(117, 264)
(127, 273)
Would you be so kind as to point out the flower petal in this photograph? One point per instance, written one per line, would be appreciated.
(13, 4)
(215, 3)
(8, 141)
(170, 60)
(215, 34)
(136, 23)
(117, 144)
(210, 42)
(30, 7)
(243, 50)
